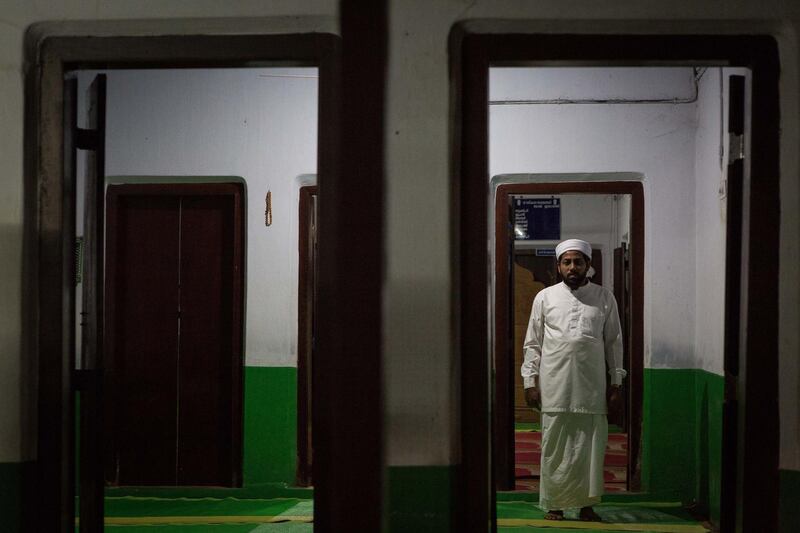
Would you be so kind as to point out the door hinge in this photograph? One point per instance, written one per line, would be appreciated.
(735, 148)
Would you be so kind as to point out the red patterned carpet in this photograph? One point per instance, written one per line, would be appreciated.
(528, 447)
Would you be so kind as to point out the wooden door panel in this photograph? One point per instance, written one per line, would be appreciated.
(306, 297)
(145, 348)
(175, 294)
(206, 352)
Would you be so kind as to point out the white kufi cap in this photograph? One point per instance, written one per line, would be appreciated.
(574, 244)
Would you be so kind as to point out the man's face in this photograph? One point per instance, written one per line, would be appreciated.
(573, 267)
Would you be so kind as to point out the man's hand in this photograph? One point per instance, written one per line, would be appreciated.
(533, 397)
(614, 403)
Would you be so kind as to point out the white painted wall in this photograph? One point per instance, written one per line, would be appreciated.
(710, 178)
(656, 140)
(622, 230)
(257, 126)
(697, 269)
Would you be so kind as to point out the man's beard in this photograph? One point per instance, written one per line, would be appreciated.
(576, 281)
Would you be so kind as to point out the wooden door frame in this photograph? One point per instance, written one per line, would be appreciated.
(504, 367)
(114, 193)
(305, 334)
(472, 52)
(342, 455)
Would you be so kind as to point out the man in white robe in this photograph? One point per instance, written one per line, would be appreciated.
(574, 330)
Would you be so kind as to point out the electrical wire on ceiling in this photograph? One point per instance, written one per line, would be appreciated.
(698, 74)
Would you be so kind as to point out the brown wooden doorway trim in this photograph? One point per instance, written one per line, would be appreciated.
(50, 234)
(305, 330)
(502, 349)
(347, 371)
(472, 53)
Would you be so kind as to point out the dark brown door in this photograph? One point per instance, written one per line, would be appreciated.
(174, 300)
(733, 304)
(622, 283)
(307, 298)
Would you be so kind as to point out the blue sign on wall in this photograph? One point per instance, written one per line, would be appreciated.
(537, 219)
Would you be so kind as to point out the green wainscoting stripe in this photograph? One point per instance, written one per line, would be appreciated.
(270, 425)
(789, 501)
(709, 395)
(421, 498)
(10, 496)
(668, 427)
(682, 436)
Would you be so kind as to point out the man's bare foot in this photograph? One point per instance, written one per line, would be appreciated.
(587, 514)
(554, 515)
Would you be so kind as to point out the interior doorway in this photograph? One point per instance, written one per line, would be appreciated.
(61, 381)
(164, 165)
(669, 125)
(610, 215)
(476, 53)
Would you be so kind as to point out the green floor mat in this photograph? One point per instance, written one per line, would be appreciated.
(197, 528)
(644, 516)
(285, 527)
(293, 515)
(138, 506)
(133, 514)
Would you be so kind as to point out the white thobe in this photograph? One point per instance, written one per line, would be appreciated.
(571, 335)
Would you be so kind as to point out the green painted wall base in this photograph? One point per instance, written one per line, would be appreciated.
(421, 498)
(11, 478)
(790, 499)
(270, 425)
(709, 397)
(682, 436)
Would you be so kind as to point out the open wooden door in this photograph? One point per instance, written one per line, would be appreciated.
(733, 301)
(307, 299)
(622, 283)
(88, 373)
